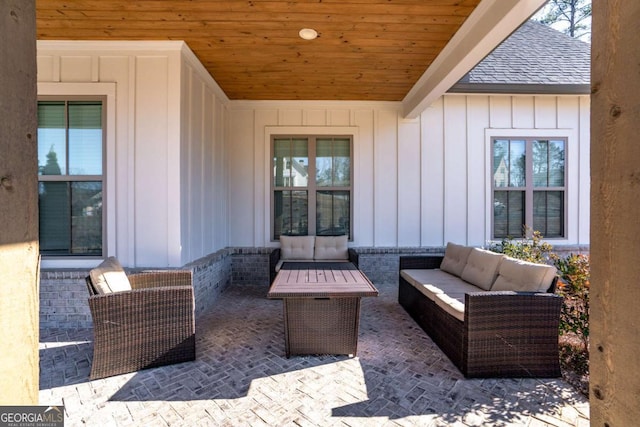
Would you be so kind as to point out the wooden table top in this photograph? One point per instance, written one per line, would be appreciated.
(321, 282)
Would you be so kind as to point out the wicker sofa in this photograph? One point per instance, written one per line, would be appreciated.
(492, 315)
(141, 320)
(306, 249)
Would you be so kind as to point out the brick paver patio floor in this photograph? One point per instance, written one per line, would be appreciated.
(241, 377)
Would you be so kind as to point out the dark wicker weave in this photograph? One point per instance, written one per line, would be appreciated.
(151, 325)
(504, 334)
(321, 303)
(321, 326)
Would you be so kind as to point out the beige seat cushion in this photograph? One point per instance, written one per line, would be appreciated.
(451, 305)
(523, 276)
(109, 277)
(482, 268)
(431, 282)
(296, 247)
(455, 258)
(331, 248)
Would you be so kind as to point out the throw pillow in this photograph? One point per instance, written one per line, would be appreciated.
(331, 248)
(523, 276)
(296, 247)
(109, 277)
(455, 258)
(482, 268)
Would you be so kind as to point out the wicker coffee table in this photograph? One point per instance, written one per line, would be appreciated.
(321, 304)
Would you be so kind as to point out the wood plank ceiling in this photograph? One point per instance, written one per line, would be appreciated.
(365, 50)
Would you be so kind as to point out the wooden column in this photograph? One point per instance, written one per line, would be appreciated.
(615, 215)
(19, 304)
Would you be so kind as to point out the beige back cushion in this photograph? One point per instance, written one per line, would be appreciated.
(109, 277)
(296, 247)
(523, 276)
(482, 268)
(331, 247)
(455, 258)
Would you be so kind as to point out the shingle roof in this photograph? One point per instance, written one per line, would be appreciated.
(534, 59)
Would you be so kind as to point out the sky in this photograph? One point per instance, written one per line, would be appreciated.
(561, 26)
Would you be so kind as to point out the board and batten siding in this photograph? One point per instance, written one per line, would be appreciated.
(417, 183)
(165, 180)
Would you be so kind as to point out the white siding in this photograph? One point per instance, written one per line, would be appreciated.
(165, 165)
(385, 179)
(151, 162)
(363, 191)
(409, 183)
(419, 182)
(188, 171)
(456, 169)
(432, 157)
(477, 121)
(203, 174)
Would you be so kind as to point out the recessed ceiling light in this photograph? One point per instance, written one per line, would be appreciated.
(308, 33)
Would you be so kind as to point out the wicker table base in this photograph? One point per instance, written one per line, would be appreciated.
(321, 308)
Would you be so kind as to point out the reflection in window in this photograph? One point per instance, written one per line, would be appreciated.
(290, 163)
(291, 213)
(509, 163)
(332, 213)
(508, 213)
(333, 162)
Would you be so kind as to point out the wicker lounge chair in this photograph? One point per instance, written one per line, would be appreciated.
(150, 325)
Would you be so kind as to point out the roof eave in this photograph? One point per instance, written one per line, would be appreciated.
(490, 23)
(526, 89)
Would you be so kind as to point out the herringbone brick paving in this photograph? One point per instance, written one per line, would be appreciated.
(241, 377)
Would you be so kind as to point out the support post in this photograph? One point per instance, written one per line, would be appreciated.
(19, 300)
(615, 228)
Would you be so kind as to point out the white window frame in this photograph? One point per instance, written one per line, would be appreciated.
(316, 131)
(312, 187)
(571, 138)
(106, 92)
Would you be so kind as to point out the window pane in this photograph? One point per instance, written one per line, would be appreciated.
(540, 163)
(342, 162)
(517, 164)
(548, 163)
(291, 163)
(333, 213)
(500, 163)
(556, 163)
(86, 218)
(70, 218)
(300, 163)
(333, 162)
(280, 156)
(55, 218)
(508, 213)
(52, 146)
(280, 159)
(85, 138)
(548, 213)
(290, 213)
(324, 163)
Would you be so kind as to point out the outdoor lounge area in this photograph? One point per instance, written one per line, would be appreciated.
(191, 136)
(241, 376)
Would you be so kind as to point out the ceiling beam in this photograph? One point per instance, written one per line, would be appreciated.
(489, 24)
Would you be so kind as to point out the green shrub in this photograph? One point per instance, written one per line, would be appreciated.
(529, 248)
(574, 287)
